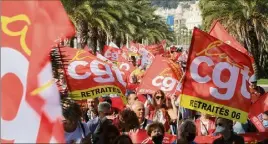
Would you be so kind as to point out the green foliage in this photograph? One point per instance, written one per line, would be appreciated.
(167, 3)
(97, 20)
(247, 20)
(263, 82)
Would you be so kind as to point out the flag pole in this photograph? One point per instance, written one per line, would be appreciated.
(107, 39)
(127, 42)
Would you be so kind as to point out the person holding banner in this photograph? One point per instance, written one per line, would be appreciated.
(225, 128)
(158, 112)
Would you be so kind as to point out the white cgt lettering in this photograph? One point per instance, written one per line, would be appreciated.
(72, 72)
(100, 75)
(124, 67)
(165, 83)
(230, 85)
(111, 55)
(94, 66)
(194, 69)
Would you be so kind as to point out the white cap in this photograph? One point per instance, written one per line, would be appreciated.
(253, 78)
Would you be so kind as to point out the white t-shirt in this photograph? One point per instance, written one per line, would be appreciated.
(76, 135)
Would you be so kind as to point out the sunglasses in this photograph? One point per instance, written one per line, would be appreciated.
(159, 97)
(219, 124)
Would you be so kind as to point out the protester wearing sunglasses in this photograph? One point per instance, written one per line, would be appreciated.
(224, 127)
(162, 110)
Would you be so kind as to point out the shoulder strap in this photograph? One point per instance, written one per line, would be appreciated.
(144, 124)
(204, 126)
(83, 129)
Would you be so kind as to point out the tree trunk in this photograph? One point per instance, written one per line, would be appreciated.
(94, 39)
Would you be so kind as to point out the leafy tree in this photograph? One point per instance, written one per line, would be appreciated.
(247, 20)
(97, 20)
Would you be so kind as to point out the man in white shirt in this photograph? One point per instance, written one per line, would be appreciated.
(138, 108)
(92, 109)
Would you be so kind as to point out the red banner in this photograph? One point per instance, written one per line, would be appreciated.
(219, 32)
(157, 49)
(134, 48)
(89, 77)
(248, 138)
(163, 74)
(216, 80)
(30, 99)
(256, 111)
(142, 137)
(111, 53)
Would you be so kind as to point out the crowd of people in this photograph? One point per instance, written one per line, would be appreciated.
(101, 123)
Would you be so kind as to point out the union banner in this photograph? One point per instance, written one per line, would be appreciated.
(217, 78)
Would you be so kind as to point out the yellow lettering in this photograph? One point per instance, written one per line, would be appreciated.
(78, 53)
(7, 20)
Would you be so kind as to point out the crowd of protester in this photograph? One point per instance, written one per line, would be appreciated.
(100, 123)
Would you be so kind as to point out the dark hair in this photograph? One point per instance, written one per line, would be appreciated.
(266, 112)
(71, 110)
(186, 125)
(228, 122)
(107, 99)
(133, 58)
(153, 126)
(130, 120)
(111, 129)
(122, 140)
(130, 92)
(162, 94)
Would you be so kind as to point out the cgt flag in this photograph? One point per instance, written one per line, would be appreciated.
(256, 111)
(30, 106)
(163, 74)
(89, 77)
(219, 32)
(216, 79)
(111, 53)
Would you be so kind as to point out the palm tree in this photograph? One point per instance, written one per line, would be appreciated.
(95, 20)
(247, 20)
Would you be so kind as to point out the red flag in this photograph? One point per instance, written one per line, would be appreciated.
(157, 49)
(30, 99)
(111, 53)
(256, 111)
(142, 137)
(90, 77)
(163, 74)
(219, 32)
(217, 78)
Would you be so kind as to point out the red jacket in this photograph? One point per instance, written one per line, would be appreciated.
(211, 127)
